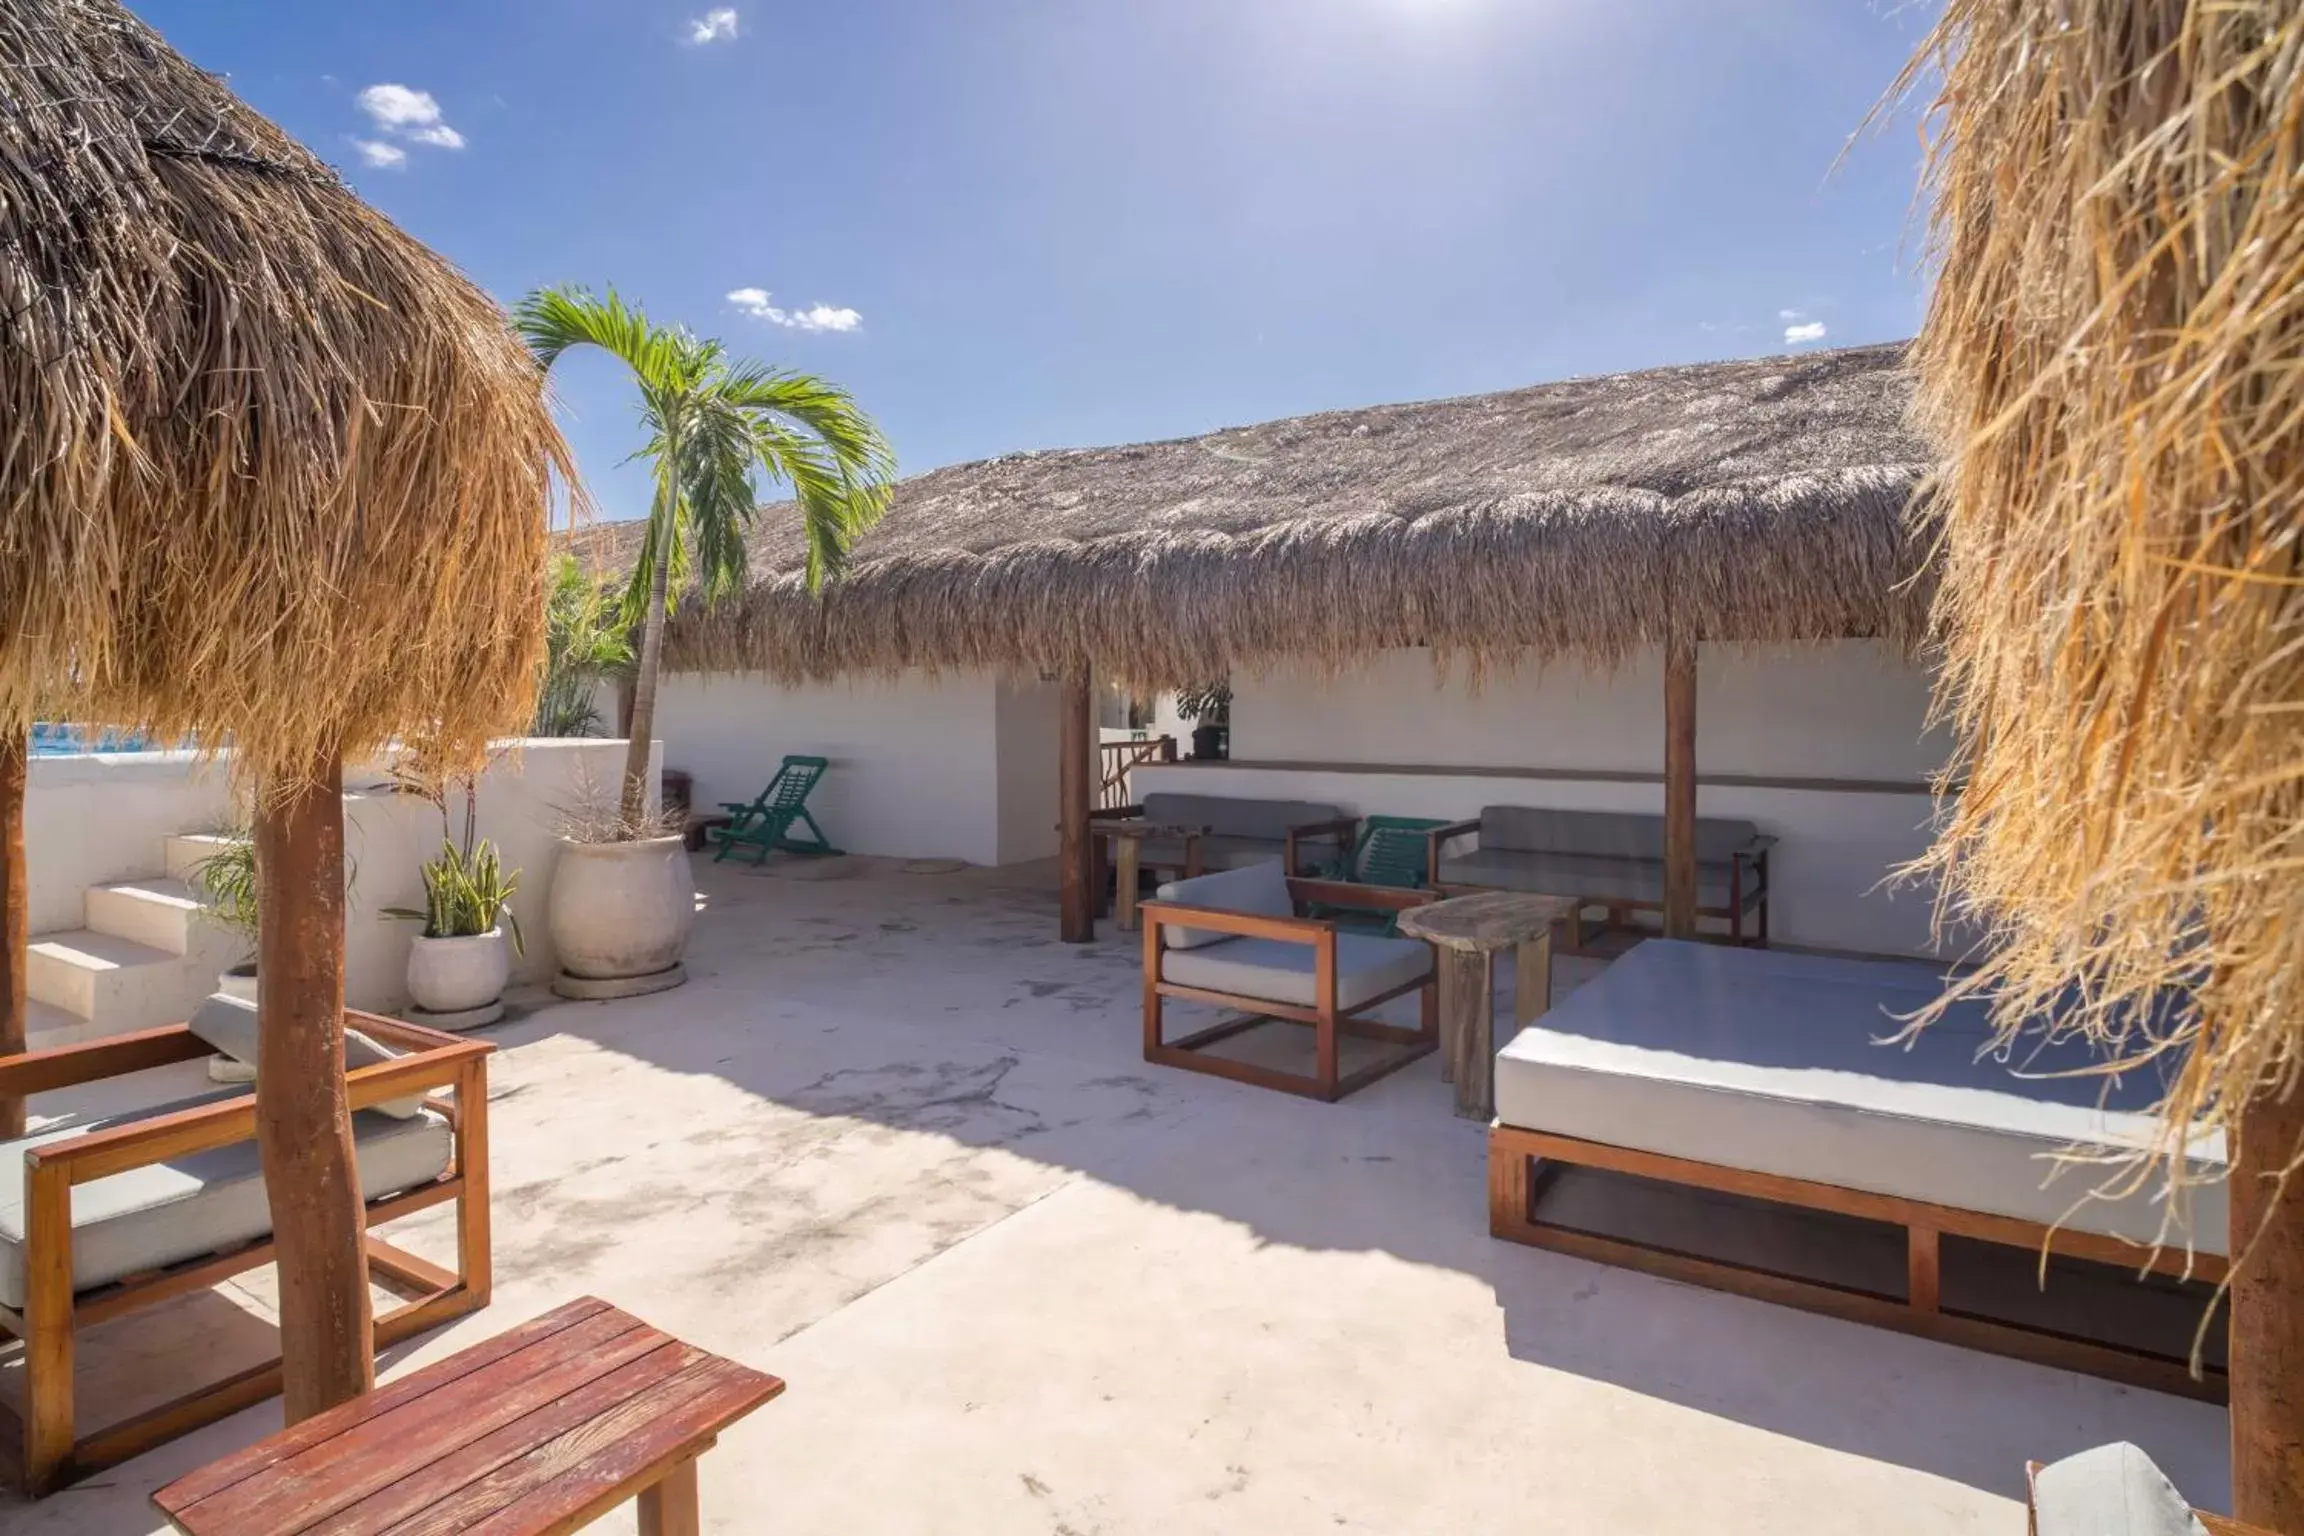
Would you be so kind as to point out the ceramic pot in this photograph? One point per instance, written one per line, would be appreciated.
(459, 974)
(621, 909)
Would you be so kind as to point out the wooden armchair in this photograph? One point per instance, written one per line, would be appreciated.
(1234, 939)
(45, 1307)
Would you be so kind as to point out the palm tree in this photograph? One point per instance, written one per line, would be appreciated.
(585, 640)
(716, 427)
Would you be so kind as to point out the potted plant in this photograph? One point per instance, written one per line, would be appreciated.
(1212, 707)
(458, 965)
(622, 900)
(226, 882)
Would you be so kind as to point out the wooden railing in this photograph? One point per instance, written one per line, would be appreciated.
(1116, 758)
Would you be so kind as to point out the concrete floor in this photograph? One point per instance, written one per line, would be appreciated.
(896, 1144)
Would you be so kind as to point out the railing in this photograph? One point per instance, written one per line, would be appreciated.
(1117, 758)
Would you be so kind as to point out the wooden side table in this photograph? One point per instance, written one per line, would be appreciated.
(1129, 838)
(540, 1430)
(1468, 931)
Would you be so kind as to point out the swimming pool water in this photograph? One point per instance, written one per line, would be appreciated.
(51, 738)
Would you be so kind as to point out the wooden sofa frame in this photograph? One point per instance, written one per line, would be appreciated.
(1746, 862)
(1328, 1021)
(1343, 829)
(45, 1450)
(1520, 1162)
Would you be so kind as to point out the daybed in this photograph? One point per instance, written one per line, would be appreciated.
(1897, 1186)
(107, 1214)
(1610, 859)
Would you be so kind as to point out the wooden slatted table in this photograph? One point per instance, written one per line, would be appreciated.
(536, 1432)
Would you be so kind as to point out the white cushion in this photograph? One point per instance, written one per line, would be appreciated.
(193, 1205)
(1770, 1062)
(2113, 1490)
(1258, 889)
(228, 1024)
(1275, 971)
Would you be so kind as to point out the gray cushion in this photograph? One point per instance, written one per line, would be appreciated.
(1222, 814)
(1587, 875)
(2113, 1490)
(1259, 889)
(1280, 972)
(193, 1205)
(1607, 834)
(1769, 1062)
(228, 1024)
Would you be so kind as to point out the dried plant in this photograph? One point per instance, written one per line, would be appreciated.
(594, 812)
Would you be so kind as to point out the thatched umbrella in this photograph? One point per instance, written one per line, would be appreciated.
(2114, 362)
(273, 474)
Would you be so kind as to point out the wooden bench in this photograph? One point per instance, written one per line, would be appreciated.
(540, 1430)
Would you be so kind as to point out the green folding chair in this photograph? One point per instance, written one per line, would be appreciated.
(1390, 852)
(766, 825)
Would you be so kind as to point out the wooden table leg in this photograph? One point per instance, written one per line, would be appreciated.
(1124, 890)
(1532, 985)
(1476, 1062)
(1463, 995)
(670, 1507)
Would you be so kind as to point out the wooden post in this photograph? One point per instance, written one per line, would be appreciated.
(15, 916)
(303, 1118)
(1680, 788)
(1074, 795)
(2268, 1318)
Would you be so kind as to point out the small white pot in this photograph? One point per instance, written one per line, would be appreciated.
(622, 909)
(459, 974)
(239, 982)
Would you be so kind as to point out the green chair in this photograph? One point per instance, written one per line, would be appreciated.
(1390, 851)
(765, 825)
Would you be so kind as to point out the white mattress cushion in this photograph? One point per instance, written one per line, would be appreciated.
(188, 1206)
(2113, 1490)
(1771, 1063)
(1279, 972)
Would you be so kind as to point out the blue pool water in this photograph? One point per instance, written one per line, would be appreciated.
(55, 739)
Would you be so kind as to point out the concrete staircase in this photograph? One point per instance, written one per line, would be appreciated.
(146, 955)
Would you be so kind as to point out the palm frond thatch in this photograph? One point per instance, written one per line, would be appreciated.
(1758, 500)
(270, 471)
(2110, 361)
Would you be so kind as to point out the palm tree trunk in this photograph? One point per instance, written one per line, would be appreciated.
(15, 917)
(303, 1112)
(643, 729)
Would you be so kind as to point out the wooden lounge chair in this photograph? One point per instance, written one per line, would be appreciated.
(1233, 939)
(765, 825)
(105, 1216)
(1727, 1117)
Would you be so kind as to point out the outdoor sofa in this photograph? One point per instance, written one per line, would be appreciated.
(1751, 1132)
(1611, 859)
(1236, 939)
(104, 1214)
(1225, 832)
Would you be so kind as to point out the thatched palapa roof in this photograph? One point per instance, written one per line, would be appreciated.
(1757, 500)
(269, 468)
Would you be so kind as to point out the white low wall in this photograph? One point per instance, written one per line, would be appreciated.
(92, 819)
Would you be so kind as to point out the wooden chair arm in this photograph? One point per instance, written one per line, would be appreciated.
(1250, 925)
(1437, 836)
(1342, 828)
(70, 1066)
(1345, 893)
(1117, 813)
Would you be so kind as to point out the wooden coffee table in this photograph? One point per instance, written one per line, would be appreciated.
(1128, 839)
(1468, 931)
(540, 1430)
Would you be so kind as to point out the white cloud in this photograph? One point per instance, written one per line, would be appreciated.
(390, 157)
(816, 317)
(715, 26)
(1801, 335)
(404, 113)
(1789, 314)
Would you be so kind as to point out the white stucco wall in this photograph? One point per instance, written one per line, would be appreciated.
(1027, 719)
(1847, 718)
(93, 819)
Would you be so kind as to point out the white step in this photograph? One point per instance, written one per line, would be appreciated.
(157, 911)
(50, 1028)
(182, 854)
(117, 982)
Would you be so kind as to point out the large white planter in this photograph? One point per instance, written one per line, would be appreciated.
(460, 974)
(620, 912)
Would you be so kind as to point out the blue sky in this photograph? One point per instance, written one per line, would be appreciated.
(1012, 224)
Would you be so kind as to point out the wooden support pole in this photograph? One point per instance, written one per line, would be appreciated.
(303, 1117)
(1680, 788)
(15, 916)
(1075, 794)
(2268, 1318)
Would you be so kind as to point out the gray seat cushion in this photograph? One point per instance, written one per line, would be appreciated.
(1590, 876)
(1216, 852)
(1769, 1062)
(1229, 817)
(1259, 889)
(1279, 972)
(1605, 834)
(228, 1024)
(2113, 1490)
(193, 1205)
